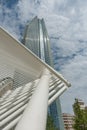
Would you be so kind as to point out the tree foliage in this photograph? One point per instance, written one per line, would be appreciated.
(50, 124)
(80, 119)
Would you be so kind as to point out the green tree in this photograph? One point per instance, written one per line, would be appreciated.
(50, 124)
(80, 119)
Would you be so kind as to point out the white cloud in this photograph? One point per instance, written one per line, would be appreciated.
(25, 9)
(9, 21)
(76, 72)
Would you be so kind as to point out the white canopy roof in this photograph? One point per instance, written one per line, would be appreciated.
(15, 54)
(44, 86)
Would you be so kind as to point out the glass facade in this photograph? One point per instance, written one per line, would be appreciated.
(37, 40)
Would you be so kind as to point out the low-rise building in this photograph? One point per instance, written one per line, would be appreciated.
(81, 104)
(68, 121)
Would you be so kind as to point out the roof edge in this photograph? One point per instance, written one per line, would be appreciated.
(57, 74)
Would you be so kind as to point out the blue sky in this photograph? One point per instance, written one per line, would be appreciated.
(66, 21)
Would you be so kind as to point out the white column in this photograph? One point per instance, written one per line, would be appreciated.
(34, 116)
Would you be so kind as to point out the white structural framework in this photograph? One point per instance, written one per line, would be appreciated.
(36, 86)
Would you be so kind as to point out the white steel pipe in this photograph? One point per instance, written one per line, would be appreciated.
(54, 91)
(55, 85)
(15, 108)
(53, 82)
(57, 95)
(14, 104)
(34, 116)
(13, 115)
(12, 124)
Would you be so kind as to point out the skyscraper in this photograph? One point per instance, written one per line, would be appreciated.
(37, 40)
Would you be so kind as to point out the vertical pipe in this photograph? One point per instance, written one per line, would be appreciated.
(34, 116)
